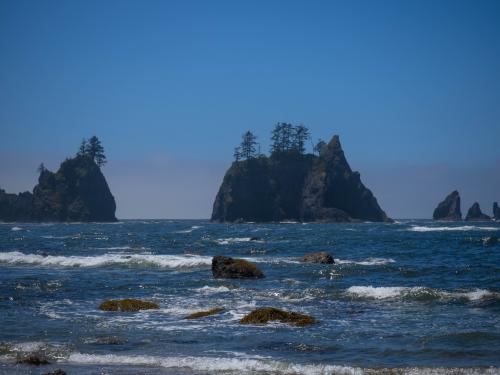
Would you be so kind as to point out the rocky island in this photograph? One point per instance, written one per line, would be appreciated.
(475, 214)
(449, 209)
(78, 191)
(292, 185)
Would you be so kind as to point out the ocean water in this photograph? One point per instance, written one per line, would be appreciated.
(410, 297)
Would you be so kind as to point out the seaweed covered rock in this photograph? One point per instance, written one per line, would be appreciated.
(496, 211)
(449, 209)
(78, 191)
(291, 186)
(318, 257)
(202, 314)
(271, 314)
(475, 214)
(127, 304)
(228, 268)
(33, 359)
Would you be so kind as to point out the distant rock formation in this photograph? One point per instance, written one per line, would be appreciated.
(292, 186)
(78, 191)
(449, 209)
(475, 214)
(496, 211)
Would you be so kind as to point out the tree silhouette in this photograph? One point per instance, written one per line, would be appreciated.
(41, 168)
(248, 145)
(95, 150)
(300, 136)
(281, 137)
(319, 147)
(83, 148)
(237, 153)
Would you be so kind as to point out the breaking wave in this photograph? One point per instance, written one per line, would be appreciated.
(233, 365)
(462, 228)
(418, 292)
(109, 259)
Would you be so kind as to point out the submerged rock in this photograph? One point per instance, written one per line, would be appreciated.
(291, 186)
(228, 268)
(318, 257)
(56, 372)
(106, 340)
(127, 304)
(269, 314)
(202, 314)
(475, 214)
(449, 209)
(490, 241)
(496, 211)
(33, 359)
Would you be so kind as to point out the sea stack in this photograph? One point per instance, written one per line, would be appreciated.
(294, 186)
(78, 191)
(475, 214)
(496, 211)
(449, 209)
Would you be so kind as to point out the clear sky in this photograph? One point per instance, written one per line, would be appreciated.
(412, 87)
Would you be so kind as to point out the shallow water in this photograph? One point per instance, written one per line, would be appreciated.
(413, 296)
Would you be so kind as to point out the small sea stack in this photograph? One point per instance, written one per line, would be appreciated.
(496, 211)
(475, 214)
(449, 208)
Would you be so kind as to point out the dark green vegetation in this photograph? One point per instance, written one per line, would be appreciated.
(291, 185)
(228, 268)
(127, 304)
(78, 191)
(270, 314)
(202, 314)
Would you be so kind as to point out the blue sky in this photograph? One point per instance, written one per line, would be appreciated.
(412, 87)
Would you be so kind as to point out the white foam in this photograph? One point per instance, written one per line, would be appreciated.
(165, 261)
(376, 292)
(212, 290)
(238, 364)
(400, 291)
(417, 228)
(230, 240)
(367, 262)
(194, 227)
(16, 229)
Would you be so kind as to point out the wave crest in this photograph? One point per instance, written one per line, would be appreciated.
(109, 259)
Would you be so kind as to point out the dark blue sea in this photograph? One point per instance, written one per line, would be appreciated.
(409, 297)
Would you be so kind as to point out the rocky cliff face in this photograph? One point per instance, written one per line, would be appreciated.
(496, 211)
(290, 186)
(475, 214)
(78, 191)
(449, 209)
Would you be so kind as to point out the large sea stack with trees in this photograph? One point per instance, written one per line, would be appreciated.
(77, 192)
(291, 184)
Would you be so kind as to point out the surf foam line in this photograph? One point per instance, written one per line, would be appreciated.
(417, 292)
(109, 259)
(236, 365)
(462, 228)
